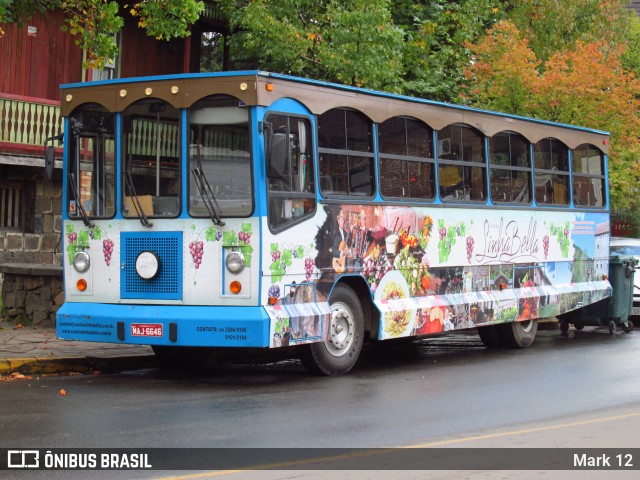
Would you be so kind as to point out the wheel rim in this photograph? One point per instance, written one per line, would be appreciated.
(341, 330)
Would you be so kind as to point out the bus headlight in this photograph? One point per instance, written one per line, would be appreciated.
(235, 262)
(81, 262)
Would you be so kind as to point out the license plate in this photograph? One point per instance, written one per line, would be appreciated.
(635, 311)
(146, 329)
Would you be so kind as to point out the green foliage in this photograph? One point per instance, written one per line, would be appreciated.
(167, 19)
(437, 35)
(353, 42)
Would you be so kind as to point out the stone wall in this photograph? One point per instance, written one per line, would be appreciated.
(31, 294)
(31, 257)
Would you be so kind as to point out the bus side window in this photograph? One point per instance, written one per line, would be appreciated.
(291, 187)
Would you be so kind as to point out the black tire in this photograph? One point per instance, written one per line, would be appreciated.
(628, 326)
(519, 334)
(340, 353)
(564, 326)
(490, 336)
(182, 357)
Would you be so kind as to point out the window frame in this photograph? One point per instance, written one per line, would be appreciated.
(348, 154)
(190, 186)
(99, 139)
(179, 157)
(510, 167)
(291, 195)
(408, 159)
(589, 176)
(471, 164)
(565, 174)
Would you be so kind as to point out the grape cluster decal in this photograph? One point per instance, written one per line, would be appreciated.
(282, 258)
(448, 236)
(107, 250)
(561, 234)
(80, 241)
(230, 239)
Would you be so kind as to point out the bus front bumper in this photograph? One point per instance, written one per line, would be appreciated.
(196, 326)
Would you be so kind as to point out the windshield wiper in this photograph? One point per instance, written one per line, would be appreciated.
(79, 207)
(134, 197)
(206, 193)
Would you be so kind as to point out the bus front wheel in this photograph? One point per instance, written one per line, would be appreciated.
(519, 334)
(339, 353)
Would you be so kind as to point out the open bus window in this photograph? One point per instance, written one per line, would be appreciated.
(510, 164)
(219, 142)
(291, 186)
(551, 164)
(406, 159)
(91, 162)
(588, 176)
(151, 142)
(346, 162)
(462, 166)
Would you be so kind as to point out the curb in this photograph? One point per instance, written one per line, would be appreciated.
(37, 366)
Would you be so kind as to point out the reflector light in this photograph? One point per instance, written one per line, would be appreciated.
(269, 87)
(81, 285)
(235, 287)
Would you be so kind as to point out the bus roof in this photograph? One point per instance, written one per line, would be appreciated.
(250, 87)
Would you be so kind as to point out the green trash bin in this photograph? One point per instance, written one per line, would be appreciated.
(612, 311)
(621, 271)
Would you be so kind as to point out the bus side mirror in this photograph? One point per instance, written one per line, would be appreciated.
(276, 154)
(49, 162)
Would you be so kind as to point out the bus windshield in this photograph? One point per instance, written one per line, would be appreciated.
(151, 159)
(219, 146)
(92, 163)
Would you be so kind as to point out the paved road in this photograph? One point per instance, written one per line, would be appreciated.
(577, 391)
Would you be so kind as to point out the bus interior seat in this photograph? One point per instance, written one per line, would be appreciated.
(146, 202)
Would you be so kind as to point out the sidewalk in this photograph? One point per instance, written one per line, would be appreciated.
(36, 350)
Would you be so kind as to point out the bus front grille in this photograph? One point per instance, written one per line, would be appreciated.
(167, 284)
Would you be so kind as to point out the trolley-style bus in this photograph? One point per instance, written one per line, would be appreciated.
(257, 210)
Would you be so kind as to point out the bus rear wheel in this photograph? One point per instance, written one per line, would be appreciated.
(518, 334)
(340, 352)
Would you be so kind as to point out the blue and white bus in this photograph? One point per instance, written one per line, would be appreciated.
(256, 210)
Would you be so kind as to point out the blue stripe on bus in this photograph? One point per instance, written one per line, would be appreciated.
(212, 326)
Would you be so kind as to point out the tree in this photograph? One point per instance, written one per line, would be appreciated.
(354, 42)
(586, 85)
(437, 34)
(556, 25)
(94, 23)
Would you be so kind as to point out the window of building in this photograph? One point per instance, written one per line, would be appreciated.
(406, 159)
(588, 176)
(551, 164)
(290, 171)
(462, 166)
(510, 168)
(11, 205)
(346, 153)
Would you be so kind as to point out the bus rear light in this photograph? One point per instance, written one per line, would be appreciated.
(235, 287)
(81, 285)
